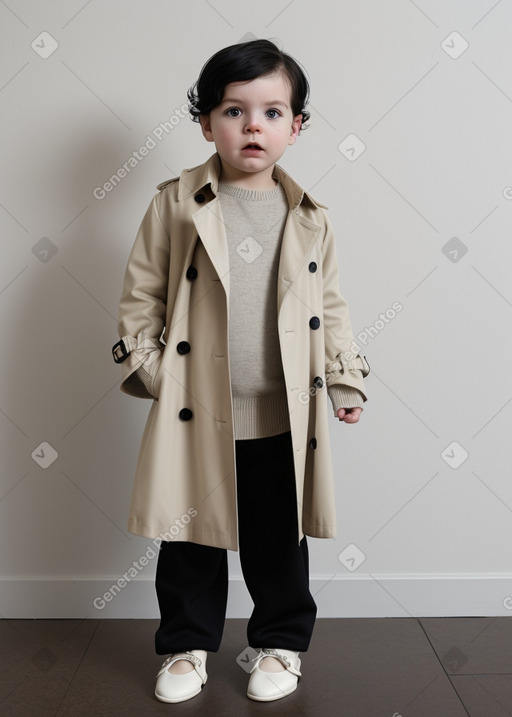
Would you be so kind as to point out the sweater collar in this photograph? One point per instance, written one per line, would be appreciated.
(196, 178)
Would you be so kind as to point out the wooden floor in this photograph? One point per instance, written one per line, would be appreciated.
(373, 667)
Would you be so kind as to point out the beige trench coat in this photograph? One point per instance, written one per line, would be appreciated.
(176, 290)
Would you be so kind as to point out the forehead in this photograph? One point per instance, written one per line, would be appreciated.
(272, 87)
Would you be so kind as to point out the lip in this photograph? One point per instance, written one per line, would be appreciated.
(252, 149)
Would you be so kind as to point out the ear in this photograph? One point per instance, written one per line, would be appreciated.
(206, 127)
(296, 123)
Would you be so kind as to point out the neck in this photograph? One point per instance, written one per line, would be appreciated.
(247, 180)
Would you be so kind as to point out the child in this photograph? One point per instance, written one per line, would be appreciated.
(232, 322)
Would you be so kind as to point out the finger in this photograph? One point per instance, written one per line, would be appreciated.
(352, 415)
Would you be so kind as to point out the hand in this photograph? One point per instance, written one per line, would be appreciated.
(349, 415)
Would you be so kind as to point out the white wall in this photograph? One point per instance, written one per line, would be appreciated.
(435, 176)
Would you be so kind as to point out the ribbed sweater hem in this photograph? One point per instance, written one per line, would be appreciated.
(260, 416)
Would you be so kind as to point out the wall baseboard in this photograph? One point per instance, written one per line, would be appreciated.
(362, 595)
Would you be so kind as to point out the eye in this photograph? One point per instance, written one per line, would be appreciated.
(273, 114)
(234, 112)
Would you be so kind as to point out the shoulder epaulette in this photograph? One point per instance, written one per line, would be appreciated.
(163, 185)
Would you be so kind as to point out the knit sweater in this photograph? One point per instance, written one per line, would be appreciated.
(254, 223)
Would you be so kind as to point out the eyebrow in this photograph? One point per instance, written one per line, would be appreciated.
(235, 101)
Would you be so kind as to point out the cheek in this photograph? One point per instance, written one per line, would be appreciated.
(283, 135)
(224, 133)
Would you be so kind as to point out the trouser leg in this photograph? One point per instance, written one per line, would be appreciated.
(192, 589)
(274, 565)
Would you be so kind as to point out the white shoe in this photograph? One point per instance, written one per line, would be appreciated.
(266, 686)
(178, 688)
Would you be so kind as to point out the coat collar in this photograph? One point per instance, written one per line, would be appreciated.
(196, 178)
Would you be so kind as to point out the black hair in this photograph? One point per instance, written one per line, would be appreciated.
(243, 62)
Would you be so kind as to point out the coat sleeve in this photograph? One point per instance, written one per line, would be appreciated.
(344, 366)
(142, 307)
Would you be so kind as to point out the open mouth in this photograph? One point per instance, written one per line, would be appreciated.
(252, 145)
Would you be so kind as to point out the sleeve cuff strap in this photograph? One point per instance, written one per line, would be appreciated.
(340, 366)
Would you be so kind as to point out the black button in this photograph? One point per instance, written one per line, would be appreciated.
(314, 322)
(191, 272)
(199, 198)
(318, 382)
(185, 414)
(312, 266)
(312, 443)
(183, 347)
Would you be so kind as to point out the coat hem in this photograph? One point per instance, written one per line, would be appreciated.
(324, 531)
(204, 537)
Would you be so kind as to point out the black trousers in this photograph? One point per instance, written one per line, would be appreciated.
(192, 579)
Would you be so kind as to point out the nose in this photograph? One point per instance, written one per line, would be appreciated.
(252, 125)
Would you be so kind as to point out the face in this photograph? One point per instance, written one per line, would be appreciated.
(251, 128)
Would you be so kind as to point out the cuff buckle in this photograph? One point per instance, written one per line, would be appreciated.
(119, 352)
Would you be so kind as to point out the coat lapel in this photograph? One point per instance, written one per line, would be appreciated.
(210, 227)
(298, 239)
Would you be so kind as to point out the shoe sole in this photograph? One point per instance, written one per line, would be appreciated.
(161, 698)
(271, 699)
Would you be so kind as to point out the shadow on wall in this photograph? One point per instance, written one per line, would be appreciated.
(70, 448)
